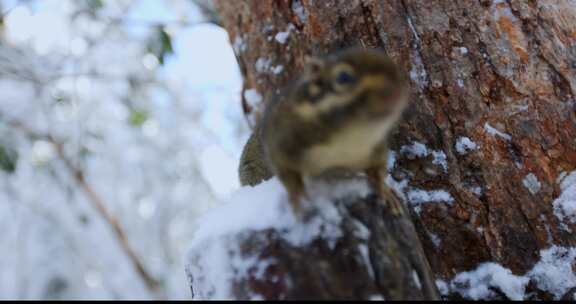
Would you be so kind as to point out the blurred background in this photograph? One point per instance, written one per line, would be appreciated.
(120, 124)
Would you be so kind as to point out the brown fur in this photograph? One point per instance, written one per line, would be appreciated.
(304, 130)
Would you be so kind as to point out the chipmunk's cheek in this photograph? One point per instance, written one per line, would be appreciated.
(391, 96)
(314, 91)
(306, 111)
(381, 105)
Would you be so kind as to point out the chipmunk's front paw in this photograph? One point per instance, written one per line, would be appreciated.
(302, 208)
(307, 214)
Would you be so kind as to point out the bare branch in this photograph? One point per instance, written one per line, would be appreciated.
(93, 197)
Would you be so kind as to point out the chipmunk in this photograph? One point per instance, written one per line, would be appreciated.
(338, 115)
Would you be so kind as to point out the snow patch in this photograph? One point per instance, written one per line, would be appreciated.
(361, 231)
(239, 45)
(391, 160)
(465, 145)
(333, 191)
(416, 279)
(415, 150)
(502, 10)
(518, 109)
(419, 150)
(299, 10)
(282, 37)
(414, 196)
(418, 197)
(553, 273)
(531, 183)
(252, 97)
(565, 204)
(479, 283)
(214, 256)
(494, 132)
(419, 76)
(364, 252)
(397, 186)
(440, 159)
(413, 29)
(477, 190)
(435, 239)
(418, 72)
(262, 65)
(277, 69)
(442, 287)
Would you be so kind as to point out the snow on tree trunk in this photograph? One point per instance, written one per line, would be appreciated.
(352, 248)
(485, 153)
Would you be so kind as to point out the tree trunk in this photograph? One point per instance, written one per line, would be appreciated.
(492, 123)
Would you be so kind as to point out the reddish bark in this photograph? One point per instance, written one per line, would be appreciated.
(509, 65)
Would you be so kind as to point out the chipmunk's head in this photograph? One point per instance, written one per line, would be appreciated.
(352, 83)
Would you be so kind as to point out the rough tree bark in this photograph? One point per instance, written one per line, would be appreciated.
(501, 73)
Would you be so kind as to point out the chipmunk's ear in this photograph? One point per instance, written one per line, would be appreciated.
(312, 66)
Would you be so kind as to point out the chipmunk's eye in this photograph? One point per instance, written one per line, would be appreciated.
(345, 77)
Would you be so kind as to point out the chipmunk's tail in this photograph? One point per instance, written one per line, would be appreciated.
(253, 168)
